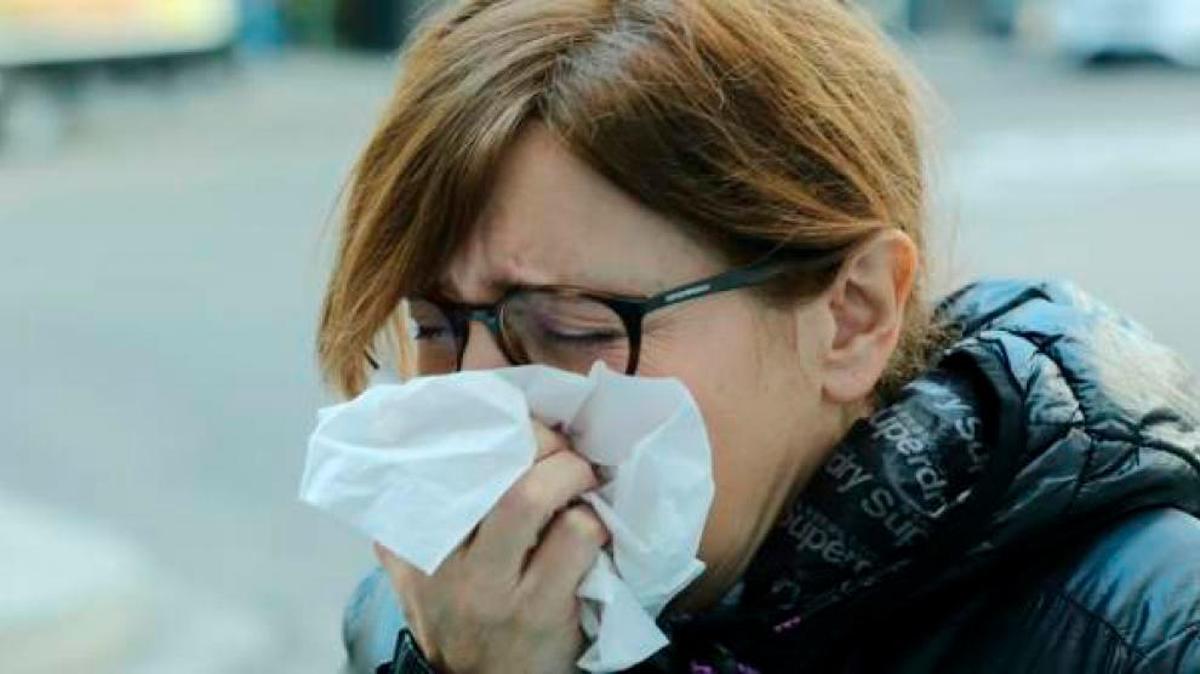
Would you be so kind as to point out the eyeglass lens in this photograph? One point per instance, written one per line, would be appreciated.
(566, 331)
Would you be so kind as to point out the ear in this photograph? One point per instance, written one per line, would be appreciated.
(866, 303)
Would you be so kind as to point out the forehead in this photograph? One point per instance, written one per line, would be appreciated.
(551, 219)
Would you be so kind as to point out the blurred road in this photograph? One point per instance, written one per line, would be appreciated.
(161, 272)
(1047, 170)
(160, 282)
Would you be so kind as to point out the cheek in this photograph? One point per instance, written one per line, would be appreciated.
(749, 408)
(718, 361)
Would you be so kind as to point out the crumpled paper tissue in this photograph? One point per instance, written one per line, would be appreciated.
(417, 465)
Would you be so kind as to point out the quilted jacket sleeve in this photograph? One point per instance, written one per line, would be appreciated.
(1179, 654)
(370, 624)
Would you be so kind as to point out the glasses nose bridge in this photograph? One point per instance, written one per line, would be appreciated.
(489, 316)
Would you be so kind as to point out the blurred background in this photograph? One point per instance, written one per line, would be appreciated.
(169, 172)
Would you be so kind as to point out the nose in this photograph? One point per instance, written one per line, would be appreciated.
(482, 352)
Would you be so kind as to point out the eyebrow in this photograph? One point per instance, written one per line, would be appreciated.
(499, 287)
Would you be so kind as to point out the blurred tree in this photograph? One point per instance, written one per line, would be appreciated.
(262, 28)
(310, 21)
(375, 24)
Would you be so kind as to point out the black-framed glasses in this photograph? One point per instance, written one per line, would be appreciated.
(562, 326)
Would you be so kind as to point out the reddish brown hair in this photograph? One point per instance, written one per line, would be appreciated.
(750, 124)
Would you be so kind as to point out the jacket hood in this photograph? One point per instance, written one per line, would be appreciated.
(1047, 419)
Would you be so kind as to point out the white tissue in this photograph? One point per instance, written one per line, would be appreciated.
(417, 465)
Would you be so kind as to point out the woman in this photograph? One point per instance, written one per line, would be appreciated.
(1008, 483)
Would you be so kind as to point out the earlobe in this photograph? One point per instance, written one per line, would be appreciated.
(867, 302)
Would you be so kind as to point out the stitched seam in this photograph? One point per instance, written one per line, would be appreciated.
(1169, 641)
(1025, 295)
(1074, 603)
(1135, 437)
(1085, 425)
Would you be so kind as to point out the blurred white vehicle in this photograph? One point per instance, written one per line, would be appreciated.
(48, 32)
(1168, 28)
(39, 38)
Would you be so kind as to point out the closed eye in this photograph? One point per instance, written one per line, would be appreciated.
(431, 332)
(587, 337)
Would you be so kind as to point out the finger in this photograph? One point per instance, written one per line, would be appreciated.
(396, 568)
(513, 527)
(553, 439)
(404, 578)
(568, 550)
(549, 440)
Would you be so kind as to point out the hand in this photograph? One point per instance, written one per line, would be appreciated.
(504, 600)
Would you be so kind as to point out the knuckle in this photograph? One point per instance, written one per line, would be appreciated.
(471, 609)
(549, 441)
(526, 498)
(585, 473)
(538, 624)
(538, 618)
(582, 524)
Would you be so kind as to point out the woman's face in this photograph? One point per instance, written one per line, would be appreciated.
(757, 373)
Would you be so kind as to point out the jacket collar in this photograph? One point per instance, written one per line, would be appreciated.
(946, 480)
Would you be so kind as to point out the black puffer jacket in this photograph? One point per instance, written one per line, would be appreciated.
(1028, 505)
